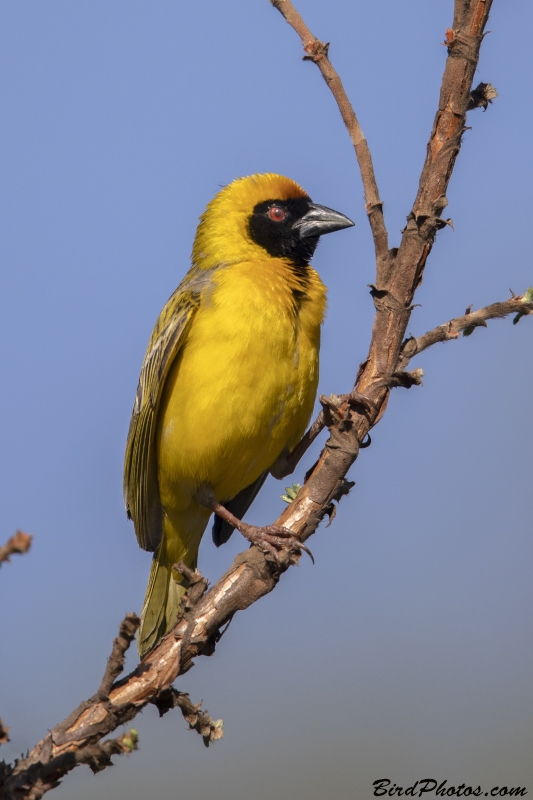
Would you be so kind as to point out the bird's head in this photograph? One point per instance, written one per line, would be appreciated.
(262, 215)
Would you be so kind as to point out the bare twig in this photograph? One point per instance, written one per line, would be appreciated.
(467, 323)
(19, 543)
(115, 662)
(209, 729)
(317, 52)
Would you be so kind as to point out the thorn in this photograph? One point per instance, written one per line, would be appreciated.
(453, 334)
(441, 223)
(449, 37)
(344, 488)
(331, 511)
(316, 51)
(405, 379)
(482, 96)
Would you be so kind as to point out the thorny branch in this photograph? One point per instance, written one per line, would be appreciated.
(76, 740)
(210, 730)
(399, 272)
(115, 662)
(398, 276)
(19, 543)
(520, 306)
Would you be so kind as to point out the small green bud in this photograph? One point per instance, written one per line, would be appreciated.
(290, 493)
(130, 740)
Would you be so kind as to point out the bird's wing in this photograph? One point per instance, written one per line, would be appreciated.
(238, 506)
(141, 493)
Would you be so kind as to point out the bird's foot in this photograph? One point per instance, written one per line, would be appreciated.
(354, 399)
(357, 399)
(270, 539)
(332, 414)
(273, 538)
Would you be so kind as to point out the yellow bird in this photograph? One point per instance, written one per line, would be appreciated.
(228, 382)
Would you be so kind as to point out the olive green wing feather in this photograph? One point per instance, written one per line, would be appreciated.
(141, 492)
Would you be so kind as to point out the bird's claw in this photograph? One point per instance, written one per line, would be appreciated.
(272, 538)
(361, 400)
(354, 399)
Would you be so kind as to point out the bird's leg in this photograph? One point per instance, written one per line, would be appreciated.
(269, 539)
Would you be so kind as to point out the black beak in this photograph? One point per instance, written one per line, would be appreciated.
(320, 220)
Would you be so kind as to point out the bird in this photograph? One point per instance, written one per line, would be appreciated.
(228, 382)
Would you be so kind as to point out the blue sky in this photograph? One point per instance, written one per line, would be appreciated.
(405, 652)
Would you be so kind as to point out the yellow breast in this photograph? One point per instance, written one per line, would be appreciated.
(242, 389)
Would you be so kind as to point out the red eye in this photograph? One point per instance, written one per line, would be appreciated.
(276, 214)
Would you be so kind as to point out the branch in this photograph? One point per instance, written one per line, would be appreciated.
(77, 740)
(115, 662)
(19, 543)
(209, 729)
(252, 574)
(393, 296)
(520, 306)
(42, 777)
(317, 52)
(395, 286)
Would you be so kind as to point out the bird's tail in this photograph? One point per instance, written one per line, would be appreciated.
(166, 587)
